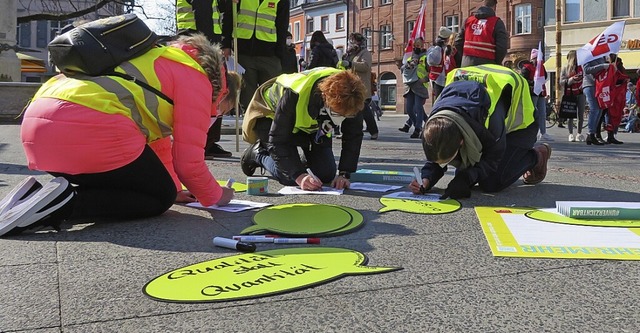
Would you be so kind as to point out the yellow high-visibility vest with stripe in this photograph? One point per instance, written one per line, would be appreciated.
(115, 95)
(300, 83)
(495, 78)
(258, 17)
(185, 17)
(422, 68)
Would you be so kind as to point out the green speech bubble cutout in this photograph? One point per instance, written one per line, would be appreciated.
(547, 216)
(300, 219)
(419, 204)
(239, 187)
(357, 222)
(259, 274)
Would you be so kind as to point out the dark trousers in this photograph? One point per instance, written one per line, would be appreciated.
(258, 70)
(142, 188)
(213, 135)
(518, 157)
(369, 119)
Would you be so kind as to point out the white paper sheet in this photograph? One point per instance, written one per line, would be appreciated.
(296, 190)
(371, 187)
(234, 206)
(411, 196)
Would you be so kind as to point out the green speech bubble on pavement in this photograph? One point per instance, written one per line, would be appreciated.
(549, 216)
(259, 274)
(419, 204)
(301, 219)
(238, 187)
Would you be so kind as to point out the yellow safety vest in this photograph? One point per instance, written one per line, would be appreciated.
(258, 17)
(185, 17)
(495, 78)
(115, 95)
(300, 83)
(422, 68)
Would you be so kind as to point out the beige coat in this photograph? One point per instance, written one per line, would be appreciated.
(361, 65)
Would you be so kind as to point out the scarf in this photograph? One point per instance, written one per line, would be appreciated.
(471, 149)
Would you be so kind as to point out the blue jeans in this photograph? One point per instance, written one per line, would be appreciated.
(413, 105)
(540, 103)
(594, 109)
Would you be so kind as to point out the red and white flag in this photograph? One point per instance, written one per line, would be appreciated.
(417, 32)
(538, 77)
(607, 42)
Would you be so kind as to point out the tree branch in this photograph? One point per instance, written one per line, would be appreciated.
(65, 16)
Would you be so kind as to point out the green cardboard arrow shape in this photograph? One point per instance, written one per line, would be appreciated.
(259, 274)
(300, 219)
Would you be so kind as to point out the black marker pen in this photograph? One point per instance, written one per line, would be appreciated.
(234, 244)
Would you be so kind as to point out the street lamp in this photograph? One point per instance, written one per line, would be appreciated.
(382, 33)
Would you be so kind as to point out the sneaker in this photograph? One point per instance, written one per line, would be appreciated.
(41, 209)
(216, 151)
(20, 193)
(374, 136)
(404, 128)
(248, 161)
(415, 134)
(546, 137)
(539, 171)
(580, 137)
(572, 138)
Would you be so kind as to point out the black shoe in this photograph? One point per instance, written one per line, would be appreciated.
(592, 140)
(415, 134)
(611, 139)
(47, 207)
(598, 137)
(248, 161)
(374, 136)
(404, 128)
(216, 151)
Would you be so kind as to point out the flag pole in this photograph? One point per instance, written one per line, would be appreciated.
(235, 66)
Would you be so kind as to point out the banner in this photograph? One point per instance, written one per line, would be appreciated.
(417, 32)
(538, 77)
(605, 43)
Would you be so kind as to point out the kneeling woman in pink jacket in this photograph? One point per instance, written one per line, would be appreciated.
(109, 142)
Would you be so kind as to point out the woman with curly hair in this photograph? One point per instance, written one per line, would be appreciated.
(295, 110)
(109, 142)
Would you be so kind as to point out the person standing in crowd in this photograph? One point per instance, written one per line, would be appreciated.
(571, 80)
(290, 59)
(488, 136)
(416, 91)
(436, 55)
(484, 39)
(261, 36)
(204, 16)
(358, 60)
(127, 166)
(591, 69)
(295, 110)
(322, 52)
(539, 100)
(617, 95)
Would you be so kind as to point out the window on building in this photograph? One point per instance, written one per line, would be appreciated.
(385, 37)
(367, 3)
(339, 21)
(310, 27)
(42, 33)
(410, 25)
(296, 31)
(452, 23)
(366, 32)
(324, 23)
(385, 2)
(24, 34)
(572, 11)
(522, 19)
(621, 8)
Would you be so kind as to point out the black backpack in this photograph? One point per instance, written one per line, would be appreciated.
(98, 47)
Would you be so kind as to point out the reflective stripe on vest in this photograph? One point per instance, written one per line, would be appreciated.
(478, 37)
(422, 68)
(115, 95)
(301, 84)
(185, 17)
(495, 78)
(258, 17)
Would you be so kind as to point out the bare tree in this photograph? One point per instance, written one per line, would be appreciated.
(62, 10)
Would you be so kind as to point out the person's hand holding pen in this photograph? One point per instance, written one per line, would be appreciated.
(227, 193)
(308, 181)
(415, 186)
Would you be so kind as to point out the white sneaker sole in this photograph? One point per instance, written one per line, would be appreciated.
(28, 212)
(15, 196)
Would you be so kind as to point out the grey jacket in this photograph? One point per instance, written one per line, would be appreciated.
(499, 35)
(592, 68)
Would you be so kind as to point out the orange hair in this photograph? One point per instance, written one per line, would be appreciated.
(343, 93)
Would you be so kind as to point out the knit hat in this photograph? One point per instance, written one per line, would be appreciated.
(534, 54)
(444, 32)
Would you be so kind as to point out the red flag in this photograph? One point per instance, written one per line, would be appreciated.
(417, 32)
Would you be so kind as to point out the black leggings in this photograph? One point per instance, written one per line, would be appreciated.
(142, 188)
